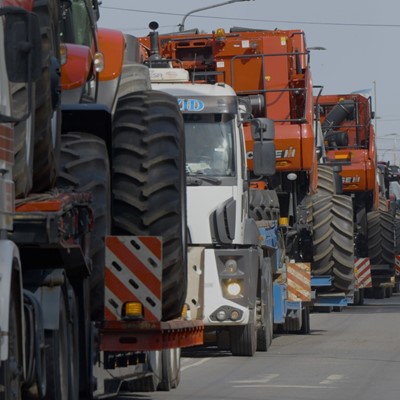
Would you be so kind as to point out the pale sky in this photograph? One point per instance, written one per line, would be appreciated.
(361, 38)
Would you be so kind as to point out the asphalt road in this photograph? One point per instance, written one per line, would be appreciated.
(353, 354)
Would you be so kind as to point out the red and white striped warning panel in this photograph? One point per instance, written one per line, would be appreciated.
(133, 272)
(299, 281)
(362, 273)
(397, 263)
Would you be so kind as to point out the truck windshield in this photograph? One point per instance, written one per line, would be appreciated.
(209, 144)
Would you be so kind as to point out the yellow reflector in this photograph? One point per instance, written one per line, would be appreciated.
(283, 221)
(185, 311)
(342, 156)
(133, 309)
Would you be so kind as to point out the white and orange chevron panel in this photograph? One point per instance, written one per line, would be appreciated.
(397, 263)
(299, 281)
(133, 272)
(362, 273)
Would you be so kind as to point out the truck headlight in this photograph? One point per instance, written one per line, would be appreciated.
(233, 288)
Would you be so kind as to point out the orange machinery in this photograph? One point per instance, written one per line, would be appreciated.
(269, 71)
(349, 138)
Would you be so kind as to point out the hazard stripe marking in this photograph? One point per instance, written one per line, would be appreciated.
(114, 303)
(124, 255)
(299, 282)
(133, 273)
(362, 273)
(397, 263)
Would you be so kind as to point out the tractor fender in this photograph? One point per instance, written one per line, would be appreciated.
(76, 68)
(9, 264)
(26, 4)
(112, 45)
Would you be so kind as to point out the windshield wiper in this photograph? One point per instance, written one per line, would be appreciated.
(193, 181)
(198, 180)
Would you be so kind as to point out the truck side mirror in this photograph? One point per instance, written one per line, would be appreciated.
(263, 132)
(23, 45)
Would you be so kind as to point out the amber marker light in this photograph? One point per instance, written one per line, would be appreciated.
(133, 310)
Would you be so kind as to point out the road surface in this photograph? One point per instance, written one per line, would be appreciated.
(353, 354)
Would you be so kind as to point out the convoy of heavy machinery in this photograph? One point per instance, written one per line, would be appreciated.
(157, 188)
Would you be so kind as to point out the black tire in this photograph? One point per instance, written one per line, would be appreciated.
(343, 242)
(11, 369)
(243, 338)
(47, 96)
(73, 345)
(84, 166)
(57, 356)
(326, 180)
(322, 235)
(22, 169)
(171, 369)
(361, 297)
(379, 292)
(382, 240)
(305, 321)
(148, 184)
(265, 325)
(263, 205)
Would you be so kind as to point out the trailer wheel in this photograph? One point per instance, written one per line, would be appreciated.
(265, 310)
(84, 167)
(305, 321)
(171, 369)
(47, 96)
(57, 356)
(243, 338)
(11, 369)
(73, 344)
(148, 184)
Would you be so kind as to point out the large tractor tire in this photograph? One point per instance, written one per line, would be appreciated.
(382, 239)
(333, 240)
(22, 170)
(343, 247)
(84, 167)
(148, 184)
(47, 97)
(322, 235)
(326, 180)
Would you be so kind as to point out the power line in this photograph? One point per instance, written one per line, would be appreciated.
(257, 20)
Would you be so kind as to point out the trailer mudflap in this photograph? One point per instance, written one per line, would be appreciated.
(131, 336)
